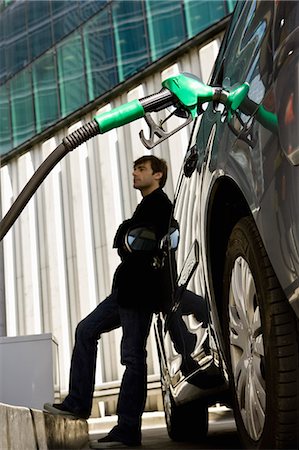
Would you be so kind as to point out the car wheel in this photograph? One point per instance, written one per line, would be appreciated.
(187, 422)
(262, 342)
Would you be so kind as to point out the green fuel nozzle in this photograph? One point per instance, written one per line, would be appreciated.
(189, 91)
(184, 92)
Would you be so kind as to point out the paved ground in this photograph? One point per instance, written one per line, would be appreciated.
(222, 433)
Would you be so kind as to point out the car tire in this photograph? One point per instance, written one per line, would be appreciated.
(187, 422)
(262, 344)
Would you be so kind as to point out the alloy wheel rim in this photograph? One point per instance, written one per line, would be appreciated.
(247, 348)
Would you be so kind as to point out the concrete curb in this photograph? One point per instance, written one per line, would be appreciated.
(26, 429)
(65, 433)
(16, 428)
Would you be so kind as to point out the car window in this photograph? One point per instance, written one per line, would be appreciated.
(230, 30)
(248, 52)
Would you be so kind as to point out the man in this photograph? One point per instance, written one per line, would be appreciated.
(135, 296)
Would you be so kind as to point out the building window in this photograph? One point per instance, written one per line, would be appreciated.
(130, 37)
(89, 8)
(201, 14)
(101, 68)
(16, 38)
(45, 91)
(71, 73)
(22, 107)
(39, 27)
(166, 26)
(66, 17)
(5, 125)
(3, 68)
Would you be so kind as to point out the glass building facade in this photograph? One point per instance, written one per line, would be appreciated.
(57, 56)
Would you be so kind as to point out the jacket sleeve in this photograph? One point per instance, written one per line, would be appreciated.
(119, 237)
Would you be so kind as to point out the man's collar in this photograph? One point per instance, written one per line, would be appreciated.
(158, 189)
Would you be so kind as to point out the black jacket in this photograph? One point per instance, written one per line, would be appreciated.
(137, 280)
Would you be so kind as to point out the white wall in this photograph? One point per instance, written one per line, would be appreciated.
(58, 257)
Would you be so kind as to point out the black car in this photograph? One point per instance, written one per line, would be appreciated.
(229, 332)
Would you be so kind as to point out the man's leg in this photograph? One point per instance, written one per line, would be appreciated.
(133, 389)
(82, 373)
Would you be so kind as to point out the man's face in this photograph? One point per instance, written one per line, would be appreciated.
(144, 179)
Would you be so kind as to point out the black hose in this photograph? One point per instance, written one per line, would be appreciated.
(69, 143)
(81, 135)
(30, 188)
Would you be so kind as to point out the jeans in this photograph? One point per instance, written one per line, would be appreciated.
(135, 324)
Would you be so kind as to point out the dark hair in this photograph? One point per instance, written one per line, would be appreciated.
(157, 165)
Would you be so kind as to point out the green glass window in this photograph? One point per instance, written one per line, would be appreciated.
(5, 125)
(71, 74)
(66, 17)
(21, 107)
(166, 26)
(201, 14)
(37, 11)
(40, 40)
(45, 91)
(16, 37)
(100, 58)
(2, 51)
(130, 37)
(89, 8)
(39, 27)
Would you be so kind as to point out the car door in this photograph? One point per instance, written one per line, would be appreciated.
(190, 350)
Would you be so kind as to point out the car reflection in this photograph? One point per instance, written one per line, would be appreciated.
(188, 336)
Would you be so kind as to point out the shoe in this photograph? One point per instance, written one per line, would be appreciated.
(112, 442)
(58, 409)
